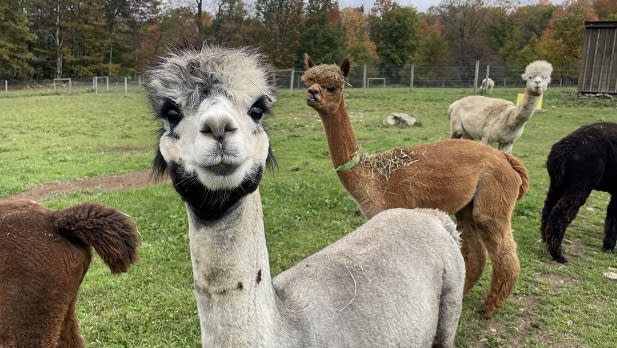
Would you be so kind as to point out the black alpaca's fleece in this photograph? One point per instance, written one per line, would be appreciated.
(582, 161)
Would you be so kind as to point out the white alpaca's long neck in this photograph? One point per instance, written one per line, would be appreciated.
(233, 285)
(525, 109)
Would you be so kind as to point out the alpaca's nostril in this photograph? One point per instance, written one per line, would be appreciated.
(218, 131)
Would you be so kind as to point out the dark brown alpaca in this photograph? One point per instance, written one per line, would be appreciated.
(44, 256)
(582, 161)
(477, 183)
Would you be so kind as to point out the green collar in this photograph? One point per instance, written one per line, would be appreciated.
(355, 158)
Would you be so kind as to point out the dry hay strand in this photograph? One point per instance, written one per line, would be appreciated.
(324, 74)
(385, 163)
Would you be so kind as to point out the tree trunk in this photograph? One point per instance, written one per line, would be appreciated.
(200, 24)
(59, 42)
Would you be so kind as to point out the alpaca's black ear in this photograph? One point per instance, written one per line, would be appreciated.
(308, 61)
(346, 66)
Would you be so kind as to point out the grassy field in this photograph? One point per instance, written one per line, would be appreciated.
(53, 138)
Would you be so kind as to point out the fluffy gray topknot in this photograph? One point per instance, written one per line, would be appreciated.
(188, 76)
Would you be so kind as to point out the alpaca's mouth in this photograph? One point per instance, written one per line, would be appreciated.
(222, 169)
(312, 98)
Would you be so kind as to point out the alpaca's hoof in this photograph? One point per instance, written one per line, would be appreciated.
(557, 255)
(608, 246)
(560, 258)
(482, 314)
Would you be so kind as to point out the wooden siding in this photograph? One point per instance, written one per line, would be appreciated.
(598, 73)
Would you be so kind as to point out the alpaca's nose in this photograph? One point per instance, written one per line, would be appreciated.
(313, 90)
(218, 127)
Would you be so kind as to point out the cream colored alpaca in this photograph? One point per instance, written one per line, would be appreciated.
(487, 86)
(476, 182)
(499, 121)
(397, 281)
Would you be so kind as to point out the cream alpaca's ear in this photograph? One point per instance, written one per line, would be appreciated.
(346, 66)
(308, 61)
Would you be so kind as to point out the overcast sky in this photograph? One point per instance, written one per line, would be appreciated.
(420, 5)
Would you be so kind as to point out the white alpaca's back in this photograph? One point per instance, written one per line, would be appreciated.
(396, 281)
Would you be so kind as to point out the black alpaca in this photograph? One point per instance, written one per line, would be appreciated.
(583, 161)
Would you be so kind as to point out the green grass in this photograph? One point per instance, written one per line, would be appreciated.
(58, 137)
(53, 138)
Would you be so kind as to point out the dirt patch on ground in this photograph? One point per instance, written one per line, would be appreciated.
(96, 184)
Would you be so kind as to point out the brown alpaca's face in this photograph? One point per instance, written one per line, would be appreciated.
(325, 88)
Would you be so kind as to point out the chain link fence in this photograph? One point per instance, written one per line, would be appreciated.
(427, 77)
(365, 76)
(72, 85)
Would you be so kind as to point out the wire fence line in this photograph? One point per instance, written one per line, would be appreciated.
(427, 77)
(365, 76)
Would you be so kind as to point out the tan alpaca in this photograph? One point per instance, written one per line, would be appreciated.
(477, 183)
(494, 120)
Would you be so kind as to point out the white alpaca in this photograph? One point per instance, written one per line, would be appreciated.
(499, 121)
(396, 281)
(487, 85)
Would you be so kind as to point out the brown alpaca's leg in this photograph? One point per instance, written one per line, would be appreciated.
(506, 267)
(70, 336)
(492, 212)
(474, 254)
(472, 249)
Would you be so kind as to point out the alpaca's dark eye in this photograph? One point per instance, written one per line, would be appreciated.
(256, 113)
(171, 112)
(258, 109)
(331, 89)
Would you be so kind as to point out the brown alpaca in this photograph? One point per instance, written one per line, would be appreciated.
(44, 256)
(477, 183)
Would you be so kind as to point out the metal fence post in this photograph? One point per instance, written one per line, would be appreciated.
(475, 77)
(411, 77)
(364, 79)
(291, 81)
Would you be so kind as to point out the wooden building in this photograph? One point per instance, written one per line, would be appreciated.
(598, 74)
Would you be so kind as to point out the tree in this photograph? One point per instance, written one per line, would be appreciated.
(395, 34)
(15, 36)
(510, 32)
(322, 35)
(465, 23)
(123, 19)
(531, 21)
(503, 35)
(605, 9)
(358, 45)
(433, 47)
(381, 7)
(280, 22)
(562, 42)
(172, 28)
(231, 24)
